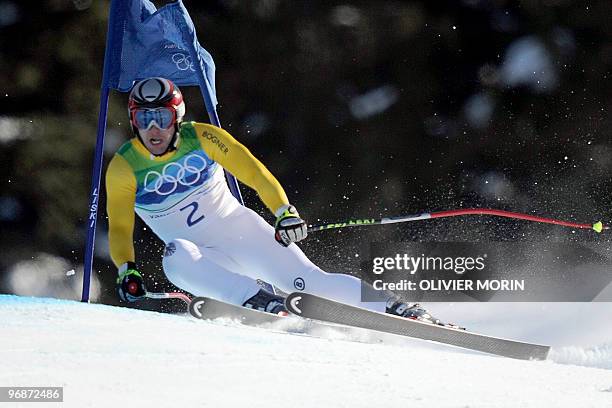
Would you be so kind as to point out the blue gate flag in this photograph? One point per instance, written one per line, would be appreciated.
(150, 42)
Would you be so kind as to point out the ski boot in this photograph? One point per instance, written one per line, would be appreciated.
(267, 302)
(415, 311)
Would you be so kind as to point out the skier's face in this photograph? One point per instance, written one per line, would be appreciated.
(156, 140)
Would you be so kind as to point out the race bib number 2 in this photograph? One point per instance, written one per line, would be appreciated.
(193, 218)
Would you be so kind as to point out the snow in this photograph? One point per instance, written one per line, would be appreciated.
(108, 356)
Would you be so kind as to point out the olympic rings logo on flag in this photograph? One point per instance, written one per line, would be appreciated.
(186, 175)
(183, 62)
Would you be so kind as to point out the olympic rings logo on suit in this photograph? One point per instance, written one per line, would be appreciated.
(183, 173)
(183, 62)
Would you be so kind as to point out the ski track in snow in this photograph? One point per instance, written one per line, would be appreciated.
(109, 356)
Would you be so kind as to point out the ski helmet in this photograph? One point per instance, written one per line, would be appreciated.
(154, 93)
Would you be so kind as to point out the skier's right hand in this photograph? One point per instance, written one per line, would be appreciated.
(130, 286)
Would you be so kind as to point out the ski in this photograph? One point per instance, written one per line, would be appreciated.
(207, 308)
(211, 309)
(322, 309)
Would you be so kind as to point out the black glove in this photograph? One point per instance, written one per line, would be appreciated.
(130, 286)
(289, 226)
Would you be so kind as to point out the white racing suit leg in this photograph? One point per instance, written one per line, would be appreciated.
(242, 245)
(191, 268)
(288, 267)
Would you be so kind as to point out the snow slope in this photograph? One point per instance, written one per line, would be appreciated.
(107, 356)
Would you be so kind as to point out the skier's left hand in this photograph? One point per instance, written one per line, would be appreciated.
(289, 226)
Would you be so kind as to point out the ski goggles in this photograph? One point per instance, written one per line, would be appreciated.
(144, 118)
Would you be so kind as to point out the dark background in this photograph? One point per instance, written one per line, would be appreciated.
(361, 109)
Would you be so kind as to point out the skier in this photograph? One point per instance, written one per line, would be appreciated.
(171, 175)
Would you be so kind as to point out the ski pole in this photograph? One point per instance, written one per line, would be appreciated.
(597, 227)
(169, 295)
